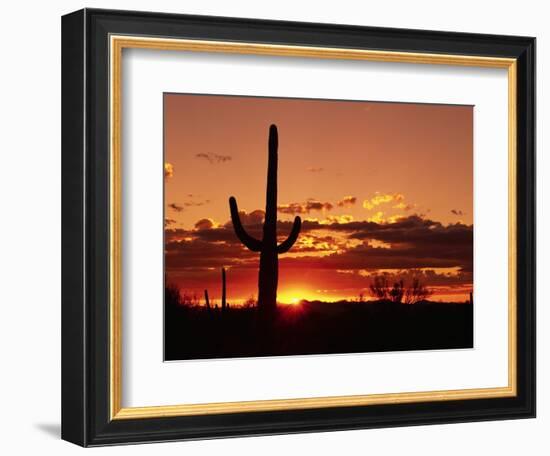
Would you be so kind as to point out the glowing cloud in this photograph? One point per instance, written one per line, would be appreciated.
(337, 219)
(382, 198)
(168, 170)
(403, 206)
(377, 218)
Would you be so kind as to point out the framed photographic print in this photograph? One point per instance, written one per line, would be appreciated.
(276, 227)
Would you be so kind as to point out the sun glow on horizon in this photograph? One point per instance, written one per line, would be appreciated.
(295, 296)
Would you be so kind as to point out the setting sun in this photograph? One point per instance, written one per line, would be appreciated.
(292, 297)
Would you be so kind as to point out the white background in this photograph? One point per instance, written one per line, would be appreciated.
(30, 240)
(148, 73)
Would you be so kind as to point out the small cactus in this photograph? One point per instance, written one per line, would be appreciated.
(224, 304)
(268, 248)
(206, 300)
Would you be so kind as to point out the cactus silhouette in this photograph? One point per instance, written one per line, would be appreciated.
(224, 305)
(206, 299)
(268, 248)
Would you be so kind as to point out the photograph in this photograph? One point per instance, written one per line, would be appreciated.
(316, 226)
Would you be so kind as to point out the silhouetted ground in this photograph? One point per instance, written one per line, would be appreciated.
(193, 332)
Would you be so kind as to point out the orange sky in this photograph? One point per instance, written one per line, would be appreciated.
(381, 187)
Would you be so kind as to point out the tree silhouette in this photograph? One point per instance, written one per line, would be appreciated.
(417, 292)
(397, 291)
(380, 288)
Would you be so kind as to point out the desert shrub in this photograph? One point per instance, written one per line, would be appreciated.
(250, 302)
(380, 287)
(416, 292)
(397, 292)
(172, 296)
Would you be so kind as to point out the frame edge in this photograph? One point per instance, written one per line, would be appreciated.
(73, 318)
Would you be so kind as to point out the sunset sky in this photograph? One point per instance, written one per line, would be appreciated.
(381, 188)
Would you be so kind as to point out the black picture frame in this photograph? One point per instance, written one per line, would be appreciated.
(85, 224)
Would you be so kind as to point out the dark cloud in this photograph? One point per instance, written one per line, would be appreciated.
(313, 169)
(196, 203)
(347, 201)
(457, 212)
(430, 276)
(412, 242)
(219, 234)
(366, 257)
(214, 158)
(176, 207)
(173, 234)
(415, 242)
(168, 222)
(191, 203)
(253, 218)
(204, 224)
(416, 230)
(305, 208)
(201, 254)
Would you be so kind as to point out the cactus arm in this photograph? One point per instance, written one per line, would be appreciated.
(251, 243)
(291, 239)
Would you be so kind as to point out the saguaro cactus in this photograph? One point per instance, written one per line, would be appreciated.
(206, 299)
(268, 248)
